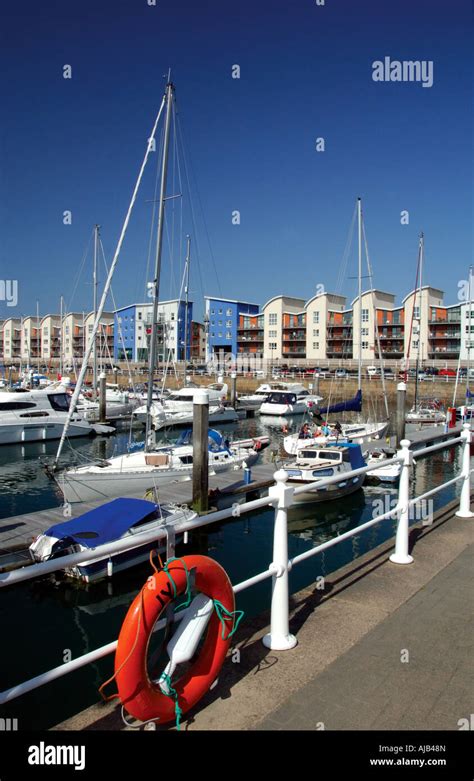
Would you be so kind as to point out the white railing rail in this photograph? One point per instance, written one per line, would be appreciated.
(281, 496)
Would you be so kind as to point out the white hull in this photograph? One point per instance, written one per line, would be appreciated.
(131, 475)
(15, 434)
(359, 433)
(338, 491)
(283, 409)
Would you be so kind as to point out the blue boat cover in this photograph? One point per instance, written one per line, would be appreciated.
(215, 439)
(355, 454)
(469, 394)
(104, 524)
(351, 405)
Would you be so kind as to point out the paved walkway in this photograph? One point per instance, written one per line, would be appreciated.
(414, 670)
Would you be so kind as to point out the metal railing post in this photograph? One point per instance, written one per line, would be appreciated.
(279, 637)
(465, 501)
(401, 555)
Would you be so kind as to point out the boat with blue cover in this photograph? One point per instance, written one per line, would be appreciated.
(314, 464)
(117, 520)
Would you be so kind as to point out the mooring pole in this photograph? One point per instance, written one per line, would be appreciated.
(200, 452)
(401, 400)
(102, 390)
(233, 389)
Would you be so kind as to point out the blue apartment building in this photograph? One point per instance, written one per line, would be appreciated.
(221, 321)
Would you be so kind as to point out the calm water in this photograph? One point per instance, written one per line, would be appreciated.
(48, 620)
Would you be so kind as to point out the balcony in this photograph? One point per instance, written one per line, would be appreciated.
(446, 335)
(293, 336)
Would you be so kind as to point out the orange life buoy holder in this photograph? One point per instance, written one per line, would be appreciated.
(146, 699)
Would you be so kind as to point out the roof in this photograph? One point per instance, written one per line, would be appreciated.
(326, 293)
(150, 304)
(229, 300)
(106, 523)
(287, 298)
(424, 287)
(374, 290)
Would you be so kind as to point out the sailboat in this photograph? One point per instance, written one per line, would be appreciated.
(423, 411)
(138, 471)
(359, 432)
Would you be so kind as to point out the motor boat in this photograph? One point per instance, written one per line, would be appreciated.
(426, 414)
(136, 472)
(118, 404)
(165, 418)
(294, 400)
(357, 433)
(313, 464)
(384, 470)
(39, 415)
(116, 520)
(181, 401)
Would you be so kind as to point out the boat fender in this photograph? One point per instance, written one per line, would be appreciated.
(257, 445)
(165, 700)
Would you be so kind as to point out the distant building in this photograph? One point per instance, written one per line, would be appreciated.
(222, 323)
(198, 342)
(50, 328)
(12, 339)
(133, 326)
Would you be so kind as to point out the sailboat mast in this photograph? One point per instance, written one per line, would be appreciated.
(420, 262)
(468, 396)
(37, 337)
(186, 300)
(61, 315)
(94, 278)
(159, 247)
(359, 227)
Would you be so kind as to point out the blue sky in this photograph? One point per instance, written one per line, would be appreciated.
(306, 72)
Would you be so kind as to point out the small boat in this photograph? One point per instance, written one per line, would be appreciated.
(118, 404)
(136, 472)
(384, 470)
(428, 411)
(357, 433)
(313, 464)
(293, 400)
(116, 520)
(181, 401)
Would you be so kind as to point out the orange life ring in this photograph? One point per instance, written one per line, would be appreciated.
(140, 696)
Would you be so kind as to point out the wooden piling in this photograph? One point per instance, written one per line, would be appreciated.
(200, 452)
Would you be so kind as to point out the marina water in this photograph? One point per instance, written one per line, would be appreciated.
(50, 621)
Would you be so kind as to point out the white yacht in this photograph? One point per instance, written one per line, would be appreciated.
(313, 464)
(118, 404)
(38, 415)
(294, 399)
(182, 401)
(135, 473)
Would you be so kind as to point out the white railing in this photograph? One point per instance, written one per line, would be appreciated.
(281, 497)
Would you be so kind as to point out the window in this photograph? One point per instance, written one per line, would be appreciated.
(272, 318)
(139, 315)
(172, 316)
(365, 315)
(220, 334)
(315, 331)
(272, 345)
(220, 323)
(228, 335)
(12, 405)
(416, 312)
(365, 331)
(415, 344)
(213, 311)
(365, 345)
(229, 323)
(316, 318)
(229, 312)
(315, 345)
(220, 311)
(272, 334)
(213, 334)
(90, 328)
(59, 401)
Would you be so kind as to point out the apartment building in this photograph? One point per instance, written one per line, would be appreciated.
(198, 341)
(284, 332)
(133, 327)
(222, 323)
(30, 339)
(12, 339)
(328, 327)
(50, 334)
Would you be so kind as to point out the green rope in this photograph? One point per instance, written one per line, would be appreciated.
(174, 694)
(225, 615)
(188, 584)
